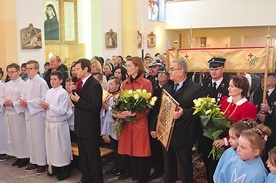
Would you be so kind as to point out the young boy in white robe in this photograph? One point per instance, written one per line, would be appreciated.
(31, 97)
(114, 85)
(58, 109)
(3, 156)
(15, 122)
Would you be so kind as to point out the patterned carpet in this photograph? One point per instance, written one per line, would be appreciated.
(199, 170)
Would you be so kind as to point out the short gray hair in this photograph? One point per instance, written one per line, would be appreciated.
(182, 64)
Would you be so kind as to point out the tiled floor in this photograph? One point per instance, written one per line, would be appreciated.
(10, 174)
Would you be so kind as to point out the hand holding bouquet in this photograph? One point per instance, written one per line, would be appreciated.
(212, 121)
(128, 103)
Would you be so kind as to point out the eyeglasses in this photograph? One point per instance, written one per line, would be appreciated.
(173, 69)
(30, 69)
(11, 72)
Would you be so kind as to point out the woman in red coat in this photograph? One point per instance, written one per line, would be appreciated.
(236, 107)
(134, 140)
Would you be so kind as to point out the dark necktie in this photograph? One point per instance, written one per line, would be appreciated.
(79, 85)
(175, 88)
(215, 85)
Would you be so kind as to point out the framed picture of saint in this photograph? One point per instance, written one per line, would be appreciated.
(153, 10)
(151, 40)
(111, 39)
(51, 22)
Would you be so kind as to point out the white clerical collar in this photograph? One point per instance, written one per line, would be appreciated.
(240, 102)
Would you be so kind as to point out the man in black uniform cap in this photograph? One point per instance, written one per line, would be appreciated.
(217, 87)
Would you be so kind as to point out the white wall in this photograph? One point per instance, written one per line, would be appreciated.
(219, 13)
(157, 27)
(30, 11)
(111, 19)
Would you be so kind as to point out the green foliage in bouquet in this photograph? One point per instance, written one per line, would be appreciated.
(212, 121)
(137, 101)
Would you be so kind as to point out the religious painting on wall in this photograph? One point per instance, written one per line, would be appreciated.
(111, 39)
(165, 121)
(139, 39)
(51, 22)
(151, 40)
(153, 10)
(31, 37)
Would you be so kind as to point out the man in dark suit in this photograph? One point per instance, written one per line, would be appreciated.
(156, 148)
(266, 111)
(88, 103)
(184, 91)
(216, 87)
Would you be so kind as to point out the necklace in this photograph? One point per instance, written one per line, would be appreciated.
(228, 108)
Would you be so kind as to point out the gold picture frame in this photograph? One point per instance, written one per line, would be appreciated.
(165, 121)
(69, 22)
(111, 39)
(52, 21)
(62, 27)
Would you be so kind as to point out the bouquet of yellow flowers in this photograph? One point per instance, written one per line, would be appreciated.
(212, 121)
(137, 101)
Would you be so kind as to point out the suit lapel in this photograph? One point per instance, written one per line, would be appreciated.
(181, 90)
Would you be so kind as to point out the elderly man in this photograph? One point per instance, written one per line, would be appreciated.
(267, 113)
(184, 91)
(156, 148)
(55, 64)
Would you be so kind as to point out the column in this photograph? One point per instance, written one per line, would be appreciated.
(129, 27)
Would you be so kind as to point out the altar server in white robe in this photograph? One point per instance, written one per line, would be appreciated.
(114, 84)
(32, 95)
(3, 155)
(15, 123)
(58, 144)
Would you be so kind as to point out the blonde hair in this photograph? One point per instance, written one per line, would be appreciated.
(257, 136)
(97, 64)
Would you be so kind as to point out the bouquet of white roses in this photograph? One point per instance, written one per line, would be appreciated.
(212, 121)
(137, 101)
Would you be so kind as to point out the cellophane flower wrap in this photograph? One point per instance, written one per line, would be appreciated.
(212, 121)
(137, 101)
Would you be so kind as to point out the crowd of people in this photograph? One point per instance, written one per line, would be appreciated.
(42, 113)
